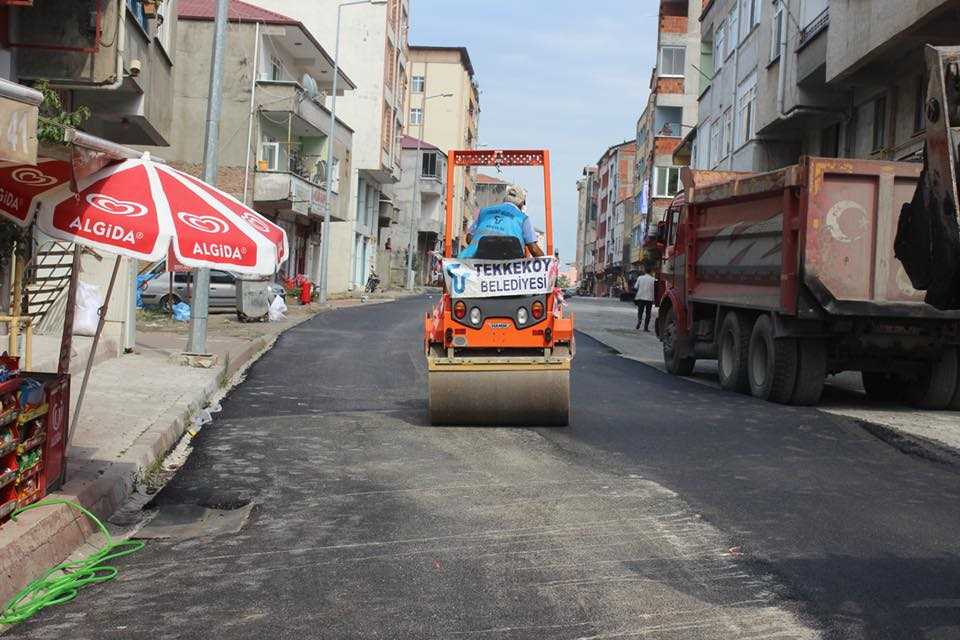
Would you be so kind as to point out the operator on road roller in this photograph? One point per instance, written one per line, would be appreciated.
(507, 219)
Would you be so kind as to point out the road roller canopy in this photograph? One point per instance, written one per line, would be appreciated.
(498, 158)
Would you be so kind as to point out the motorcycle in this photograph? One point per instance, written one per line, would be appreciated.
(372, 282)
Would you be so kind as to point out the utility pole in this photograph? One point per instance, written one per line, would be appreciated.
(201, 278)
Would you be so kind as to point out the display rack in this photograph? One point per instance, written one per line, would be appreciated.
(11, 441)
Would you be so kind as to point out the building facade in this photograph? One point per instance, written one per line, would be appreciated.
(420, 217)
(615, 208)
(448, 122)
(373, 45)
(834, 78)
(670, 114)
(586, 230)
(490, 190)
(276, 79)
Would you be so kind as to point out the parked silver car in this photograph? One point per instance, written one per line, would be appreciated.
(223, 290)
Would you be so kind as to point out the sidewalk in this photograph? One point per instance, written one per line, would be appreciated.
(613, 323)
(137, 407)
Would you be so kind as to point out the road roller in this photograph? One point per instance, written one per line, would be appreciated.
(499, 344)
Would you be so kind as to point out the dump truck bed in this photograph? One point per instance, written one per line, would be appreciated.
(823, 228)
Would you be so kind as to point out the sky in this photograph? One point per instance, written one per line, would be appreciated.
(565, 75)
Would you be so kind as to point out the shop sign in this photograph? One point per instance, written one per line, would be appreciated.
(302, 194)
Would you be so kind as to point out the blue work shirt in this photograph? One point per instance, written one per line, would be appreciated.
(500, 220)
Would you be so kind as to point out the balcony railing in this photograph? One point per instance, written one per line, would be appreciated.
(815, 28)
(293, 192)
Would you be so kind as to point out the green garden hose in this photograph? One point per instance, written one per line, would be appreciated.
(61, 583)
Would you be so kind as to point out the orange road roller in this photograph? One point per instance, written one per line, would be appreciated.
(499, 344)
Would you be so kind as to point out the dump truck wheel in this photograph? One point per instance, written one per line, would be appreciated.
(811, 372)
(733, 352)
(773, 363)
(674, 363)
(937, 386)
(883, 386)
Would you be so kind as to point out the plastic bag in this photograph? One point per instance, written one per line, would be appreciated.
(87, 315)
(181, 312)
(277, 310)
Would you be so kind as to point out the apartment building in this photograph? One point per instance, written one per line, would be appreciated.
(586, 229)
(373, 46)
(672, 109)
(615, 207)
(419, 197)
(835, 78)
(275, 127)
(450, 122)
(490, 190)
(643, 182)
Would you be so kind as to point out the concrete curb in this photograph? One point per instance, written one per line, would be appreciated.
(42, 538)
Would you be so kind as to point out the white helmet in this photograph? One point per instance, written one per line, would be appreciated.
(515, 195)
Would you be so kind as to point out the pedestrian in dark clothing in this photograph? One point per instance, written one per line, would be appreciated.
(644, 299)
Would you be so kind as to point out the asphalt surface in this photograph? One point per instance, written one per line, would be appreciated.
(667, 510)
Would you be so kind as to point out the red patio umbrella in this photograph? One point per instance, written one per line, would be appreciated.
(139, 209)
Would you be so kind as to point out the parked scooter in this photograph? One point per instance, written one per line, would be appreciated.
(373, 282)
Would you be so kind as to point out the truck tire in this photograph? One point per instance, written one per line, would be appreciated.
(773, 363)
(674, 363)
(811, 372)
(733, 349)
(937, 386)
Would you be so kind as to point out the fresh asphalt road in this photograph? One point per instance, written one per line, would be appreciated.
(667, 510)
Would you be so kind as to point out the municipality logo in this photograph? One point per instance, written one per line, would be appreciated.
(458, 277)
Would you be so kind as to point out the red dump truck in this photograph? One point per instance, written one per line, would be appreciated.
(789, 276)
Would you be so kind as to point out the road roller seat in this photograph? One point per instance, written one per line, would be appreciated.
(499, 248)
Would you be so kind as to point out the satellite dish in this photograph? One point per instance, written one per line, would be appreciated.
(310, 85)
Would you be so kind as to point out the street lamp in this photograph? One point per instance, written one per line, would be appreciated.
(325, 234)
(416, 182)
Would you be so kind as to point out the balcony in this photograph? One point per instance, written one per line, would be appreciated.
(86, 46)
(282, 190)
(281, 99)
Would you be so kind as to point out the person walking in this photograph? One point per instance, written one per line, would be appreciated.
(644, 298)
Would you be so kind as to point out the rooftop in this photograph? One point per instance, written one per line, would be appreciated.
(464, 55)
(483, 178)
(239, 11)
(409, 142)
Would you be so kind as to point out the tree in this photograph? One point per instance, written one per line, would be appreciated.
(563, 282)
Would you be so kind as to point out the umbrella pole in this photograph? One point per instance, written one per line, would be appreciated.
(93, 350)
(13, 346)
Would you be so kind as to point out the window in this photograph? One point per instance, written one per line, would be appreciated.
(746, 110)
(811, 10)
(720, 44)
(666, 182)
(919, 106)
(270, 154)
(416, 116)
(776, 31)
(276, 69)
(429, 165)
(672, 60)
(733, 28)
(220, 277)
(715, 140)
(727, 133)
(749, 16)
(164, 27)
(417, 84)
(879, 123)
